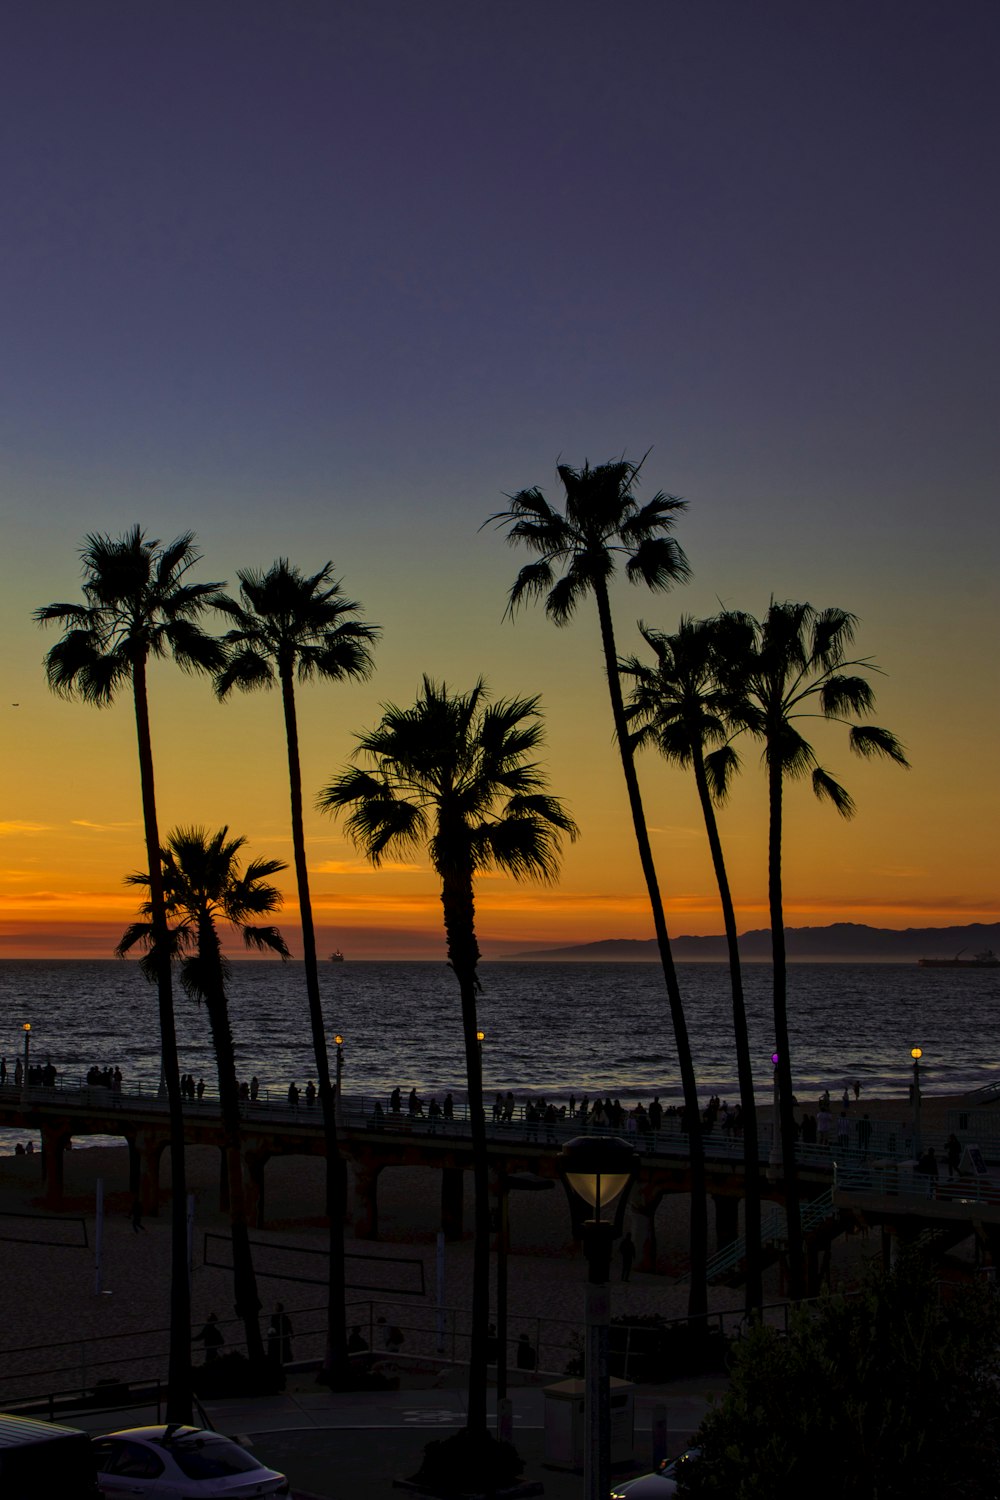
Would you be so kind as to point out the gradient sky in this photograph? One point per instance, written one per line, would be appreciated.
(327, 280)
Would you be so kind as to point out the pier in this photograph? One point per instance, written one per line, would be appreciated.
(843, 1188)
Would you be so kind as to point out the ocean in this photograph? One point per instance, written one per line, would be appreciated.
(551, 1028)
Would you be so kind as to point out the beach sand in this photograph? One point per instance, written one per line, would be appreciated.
(48, 1291)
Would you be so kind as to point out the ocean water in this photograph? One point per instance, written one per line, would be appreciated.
(551, 1028)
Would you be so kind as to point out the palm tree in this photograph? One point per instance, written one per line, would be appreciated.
(288, 626)
(453, 772)
(791, 666)
(577, 552)
(138, 604)
(203, 882)
(678, 708)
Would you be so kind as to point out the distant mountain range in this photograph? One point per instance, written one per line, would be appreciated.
(841, 942)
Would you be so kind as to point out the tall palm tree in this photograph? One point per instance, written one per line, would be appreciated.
(454, 772)
(794, 665)
(139, 604)
(203, 883)
(577, 552)
(285, 627)
(677, 707)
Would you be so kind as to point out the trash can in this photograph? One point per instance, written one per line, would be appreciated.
(564, 1430)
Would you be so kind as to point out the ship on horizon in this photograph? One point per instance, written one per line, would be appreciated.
(984, 960)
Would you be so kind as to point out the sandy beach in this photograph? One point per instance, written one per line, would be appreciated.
(49, 1294)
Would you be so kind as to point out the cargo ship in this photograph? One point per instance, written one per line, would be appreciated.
(986, 960)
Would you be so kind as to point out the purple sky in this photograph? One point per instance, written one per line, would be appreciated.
(327, 279)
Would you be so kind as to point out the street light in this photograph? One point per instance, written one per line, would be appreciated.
(340, 1075)
(27, 1050)
(916, 1053)
(597, 1174)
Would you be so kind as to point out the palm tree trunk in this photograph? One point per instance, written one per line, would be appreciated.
(698, 1298)
(179, 1394)
(244, 1280)
(463, 953)
(336, 1368)
(744, 1063)
(786, 1108)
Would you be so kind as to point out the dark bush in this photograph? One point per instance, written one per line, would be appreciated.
(469, 1463)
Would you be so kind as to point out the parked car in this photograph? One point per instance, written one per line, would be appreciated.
(181, 1463)
(39, 1458)
(660, 1485)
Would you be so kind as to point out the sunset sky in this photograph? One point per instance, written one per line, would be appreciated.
(327, 280)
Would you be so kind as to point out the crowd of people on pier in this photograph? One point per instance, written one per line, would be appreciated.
(40, 1076)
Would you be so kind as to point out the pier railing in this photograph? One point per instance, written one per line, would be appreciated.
(865, 1140)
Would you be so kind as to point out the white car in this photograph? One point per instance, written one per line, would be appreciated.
(180, 1463)
(660, 1485)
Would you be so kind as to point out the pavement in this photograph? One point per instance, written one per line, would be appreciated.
(338, 1445)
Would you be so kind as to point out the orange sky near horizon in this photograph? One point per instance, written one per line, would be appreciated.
(915, 854)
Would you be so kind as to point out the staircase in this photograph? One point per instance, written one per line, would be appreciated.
(727, 1263)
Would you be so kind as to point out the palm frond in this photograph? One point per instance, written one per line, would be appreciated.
(869, 740)
(721, 767)
(534, 580)
(265, 939)
(659, 563)
(565, 594)
(247, 669)
(841, 695)
(824, 786)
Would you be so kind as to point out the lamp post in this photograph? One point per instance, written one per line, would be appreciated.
(338, 1110)
(916, 1053)
(27, 1051)
(597, 1174)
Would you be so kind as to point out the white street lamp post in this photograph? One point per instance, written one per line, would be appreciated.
(597, 1174)
(916, 1053)
(27, 1052)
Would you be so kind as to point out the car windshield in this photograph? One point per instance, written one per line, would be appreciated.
(204, 1456)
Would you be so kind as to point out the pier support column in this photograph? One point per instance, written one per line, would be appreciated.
(223, 1181)
(150, 1149)
(365, 1207)
(727, 1220)
(134, 1169)
(646, 1199)
(452, 1202)
(53, 1146)
(254, 1163)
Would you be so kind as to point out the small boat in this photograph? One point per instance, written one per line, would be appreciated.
(984, 960)
(336, 957)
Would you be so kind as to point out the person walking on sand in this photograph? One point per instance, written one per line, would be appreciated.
(627, 1252)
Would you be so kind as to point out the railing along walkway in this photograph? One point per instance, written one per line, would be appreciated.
(363, 1114)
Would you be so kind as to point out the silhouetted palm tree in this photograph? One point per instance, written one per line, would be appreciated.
(203, 883)
(577, 553)
(289, 626)
(138, 604)
(453, 773)
(678, 707)
(790, 666)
